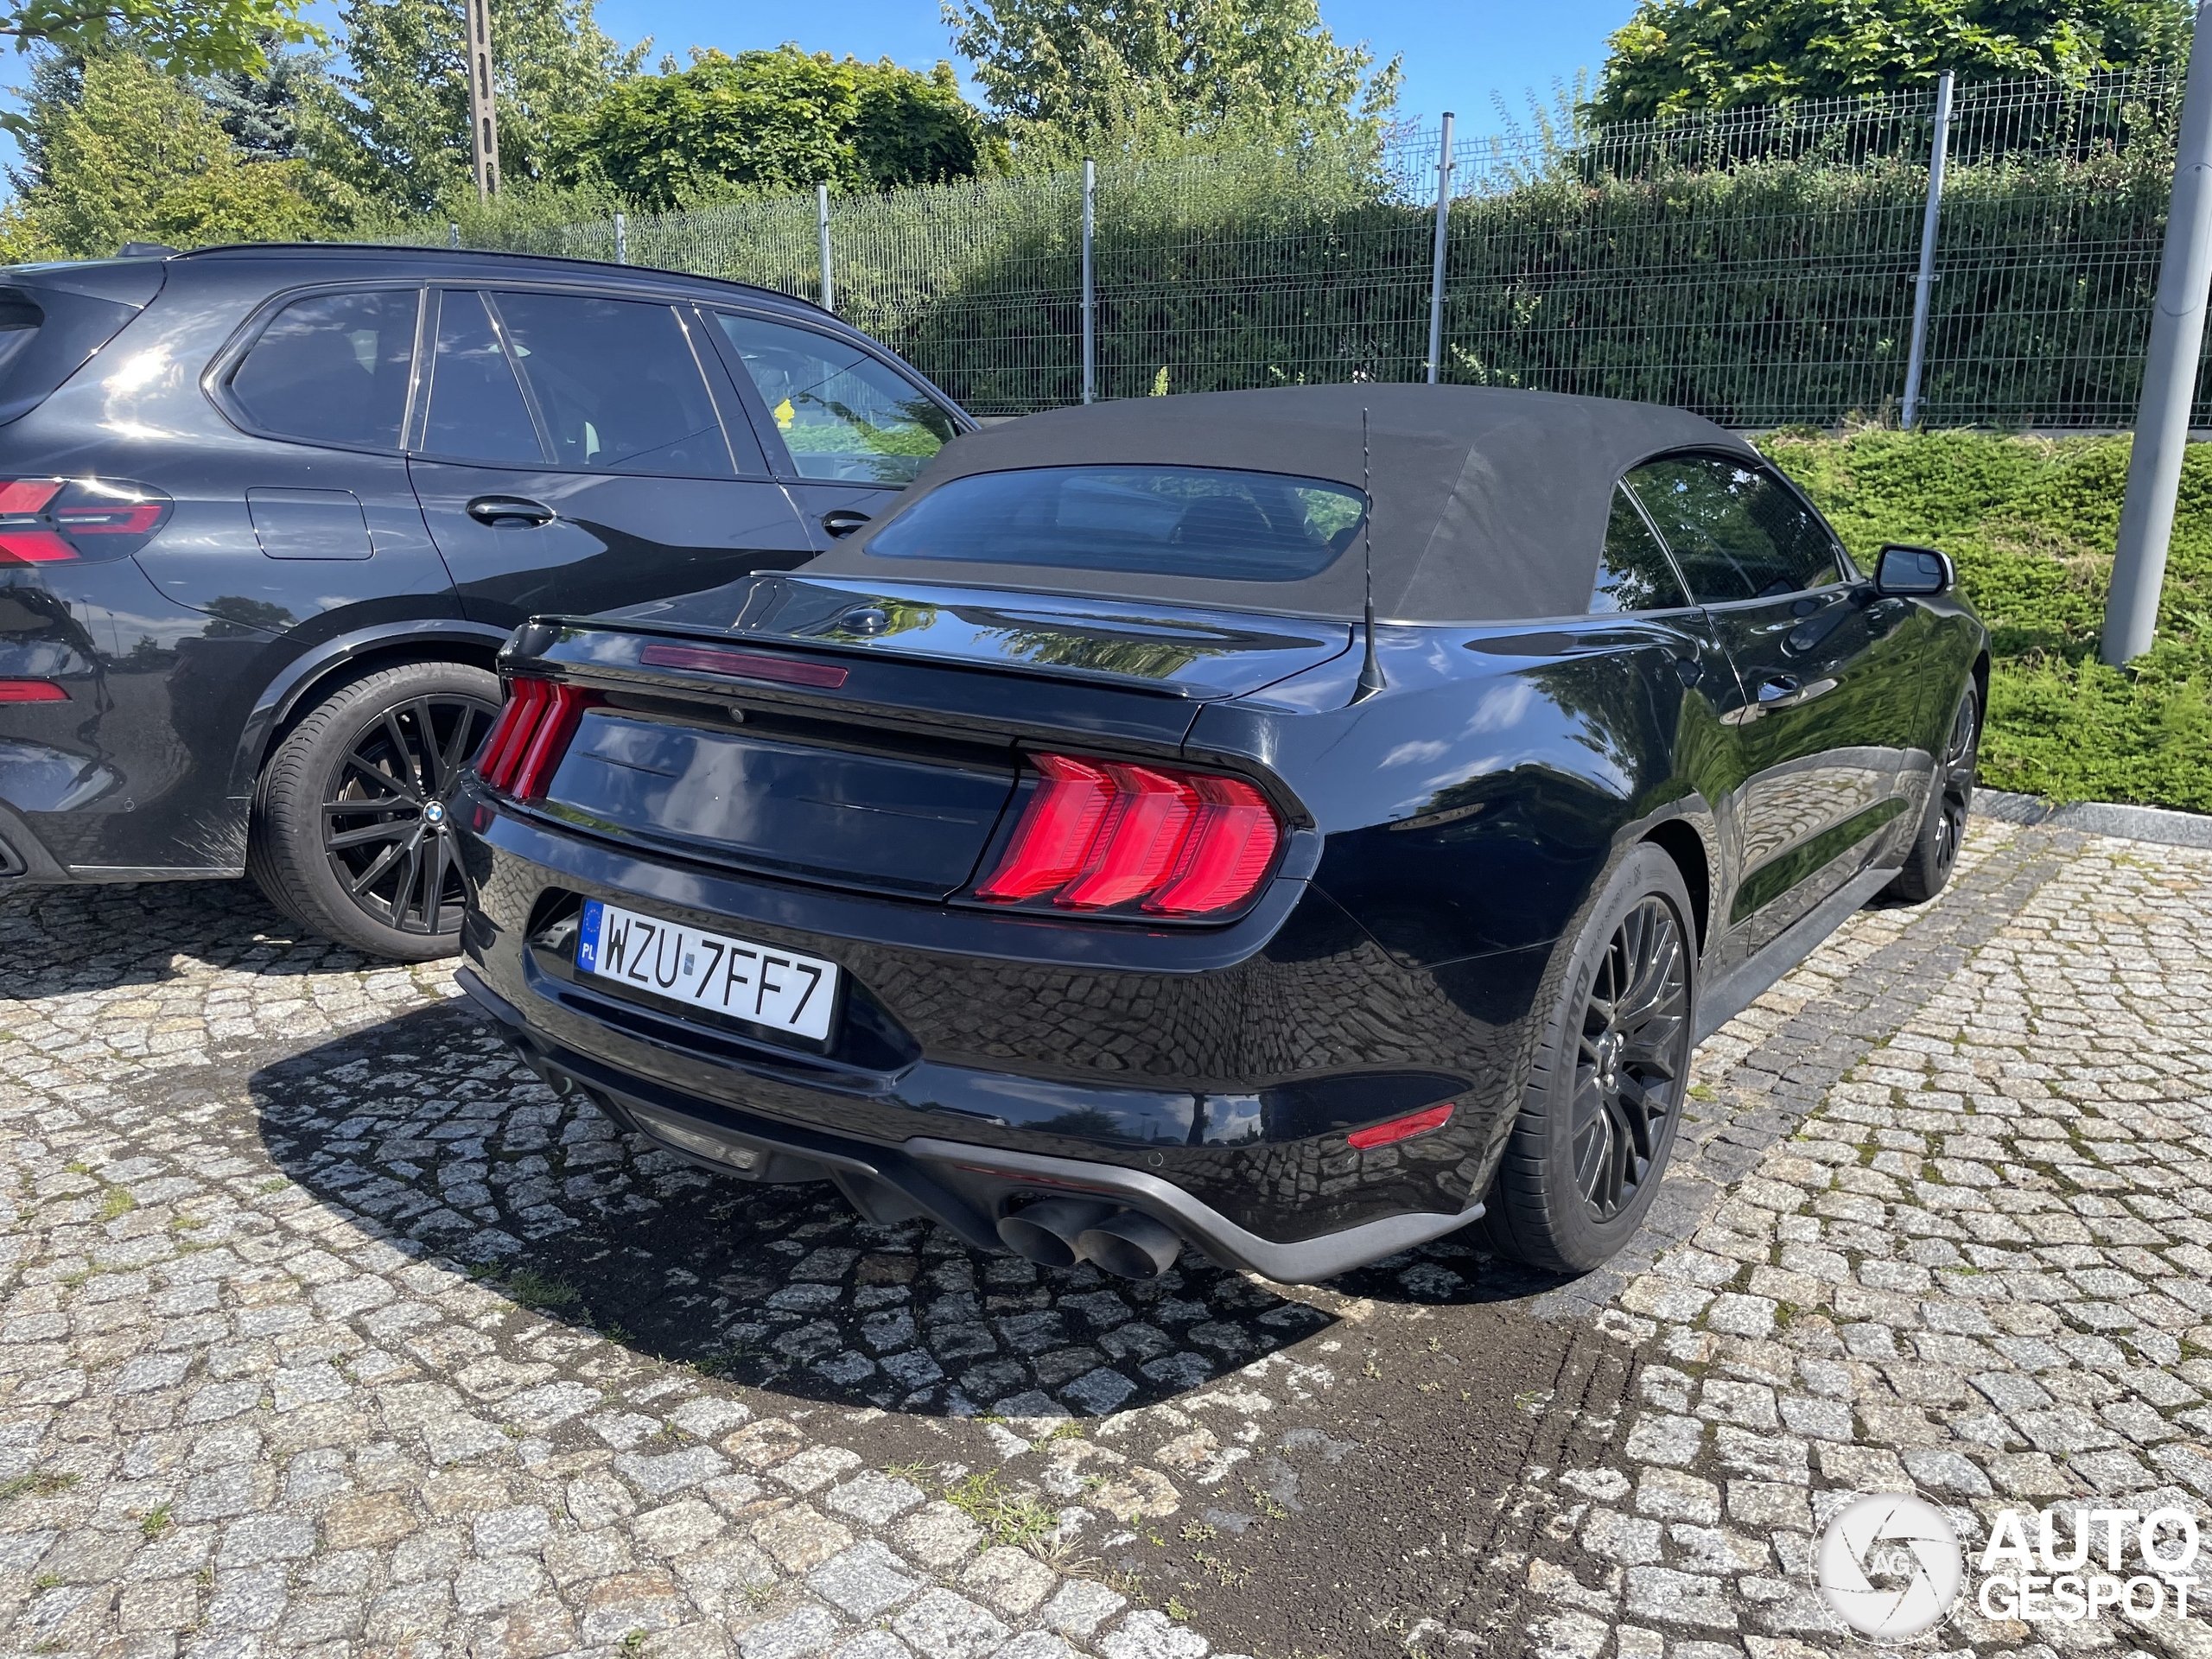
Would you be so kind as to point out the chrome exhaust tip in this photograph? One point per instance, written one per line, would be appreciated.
(1130, 1246)
(1047, 1233)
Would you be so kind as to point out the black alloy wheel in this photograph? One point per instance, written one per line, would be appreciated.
(385, 815)
(1606, 1083)
(1628, 1075)
(351, 836)
(1955, 779)
(1934, 850)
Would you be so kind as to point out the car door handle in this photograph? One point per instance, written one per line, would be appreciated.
(1776, 688)
(843, 521)
(510, 512)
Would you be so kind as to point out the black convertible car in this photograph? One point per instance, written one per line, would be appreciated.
(1294, 824)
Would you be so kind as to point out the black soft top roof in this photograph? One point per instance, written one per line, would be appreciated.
(1488, 505)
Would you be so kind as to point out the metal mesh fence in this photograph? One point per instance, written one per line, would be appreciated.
(1755, 265)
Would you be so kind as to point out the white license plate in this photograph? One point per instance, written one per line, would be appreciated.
(779, 989)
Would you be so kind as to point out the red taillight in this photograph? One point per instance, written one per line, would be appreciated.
(31, 691)
(51, 520)
(743, 665)
(530, 735)
(1100, 834)
(1401, 1128)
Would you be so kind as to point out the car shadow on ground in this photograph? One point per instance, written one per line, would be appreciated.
(429, 1125)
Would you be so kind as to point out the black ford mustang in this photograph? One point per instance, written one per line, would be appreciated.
(1294, 824)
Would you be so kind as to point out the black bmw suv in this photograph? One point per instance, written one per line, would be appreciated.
(267, 513)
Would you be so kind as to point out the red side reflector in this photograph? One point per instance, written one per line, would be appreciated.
(743, 665)
(1401, 1128)
(1099, 834)
(31, 691)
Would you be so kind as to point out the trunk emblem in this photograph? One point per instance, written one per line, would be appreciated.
(867, 619)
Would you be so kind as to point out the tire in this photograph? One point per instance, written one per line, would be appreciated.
(1935, 851)
(1597, 1116)
(389, 746)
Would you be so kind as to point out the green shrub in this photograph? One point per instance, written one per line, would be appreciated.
(2031, 523)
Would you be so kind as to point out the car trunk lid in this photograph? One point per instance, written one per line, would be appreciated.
(877, 751)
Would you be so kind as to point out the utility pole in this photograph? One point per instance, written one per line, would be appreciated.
(1436, 269)
(2146, 517)
(1924, 288)
(483, 111)
(1089, 285)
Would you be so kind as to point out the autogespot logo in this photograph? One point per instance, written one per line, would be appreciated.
(1889, 1566)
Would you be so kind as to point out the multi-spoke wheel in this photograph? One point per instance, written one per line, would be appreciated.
(350, 834)
(1627, 1072)
(1604, 1093)
(1935, 851)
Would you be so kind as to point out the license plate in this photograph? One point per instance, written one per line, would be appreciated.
(779, 989)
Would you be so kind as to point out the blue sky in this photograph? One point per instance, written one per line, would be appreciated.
(1457, 56)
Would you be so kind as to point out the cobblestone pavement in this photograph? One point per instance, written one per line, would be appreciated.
(324, 1328)
(1947, 1228)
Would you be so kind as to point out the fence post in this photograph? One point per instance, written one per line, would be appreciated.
(1089, 287)
(1436, 269)
(1924, 284)
(621, 240)
(822, 229)
(453, 233)
(483, 102)
(2146, 516)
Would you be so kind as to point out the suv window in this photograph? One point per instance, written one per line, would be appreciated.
(476, 409)
(333, 368)
(616, 384)
(1633, 574)
(841, 413)
(1736, 529)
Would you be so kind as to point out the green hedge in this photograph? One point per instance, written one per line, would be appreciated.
(2031, 523)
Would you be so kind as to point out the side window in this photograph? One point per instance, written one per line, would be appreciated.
(842, 413)
(476, 409)
(616, 385)
(333, 368)
(1633, 574)
(1737, 532)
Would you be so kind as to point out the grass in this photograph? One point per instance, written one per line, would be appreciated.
(2031, 523)
(45, 1483)
(1008, 1515)
(116, 1205)
(530, 1288)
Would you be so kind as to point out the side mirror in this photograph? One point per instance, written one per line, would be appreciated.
(1902, 572)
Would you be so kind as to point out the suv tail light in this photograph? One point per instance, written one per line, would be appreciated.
(1105, 835)
(62, 520)
(530, 735)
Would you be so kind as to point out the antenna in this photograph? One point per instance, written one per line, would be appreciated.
(1370, 671)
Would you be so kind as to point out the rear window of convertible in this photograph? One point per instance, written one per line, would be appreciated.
(1183, 521)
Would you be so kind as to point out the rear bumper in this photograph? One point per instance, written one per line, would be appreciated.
(1209, 1080)
(955, 1183)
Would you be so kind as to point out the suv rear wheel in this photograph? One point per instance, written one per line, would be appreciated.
(350, 837)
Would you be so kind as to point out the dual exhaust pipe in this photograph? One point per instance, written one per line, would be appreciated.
(1060, 1232)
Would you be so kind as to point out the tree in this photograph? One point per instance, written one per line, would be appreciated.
(395, 125)
(259, 108)
(120, 151)
(182, 36)
(1061, 73)
(1691, 55)
(782, 120)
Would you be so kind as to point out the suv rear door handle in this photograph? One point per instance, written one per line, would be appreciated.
(1777, 688)
(843, 521)
(510, 512)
